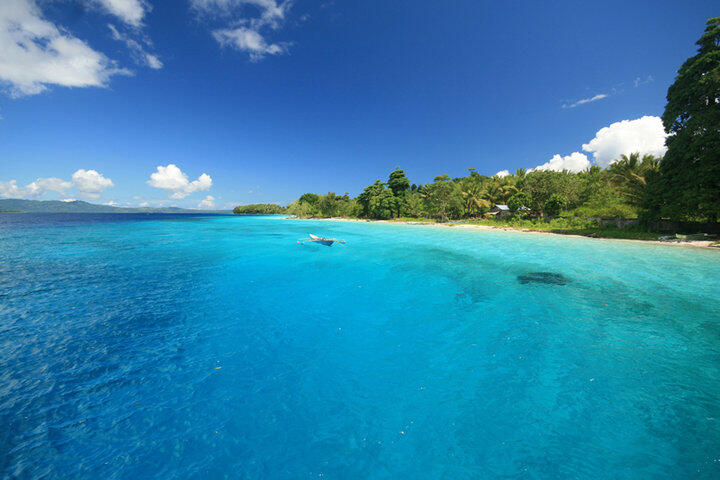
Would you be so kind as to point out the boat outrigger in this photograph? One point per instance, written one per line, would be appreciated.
(321, 240)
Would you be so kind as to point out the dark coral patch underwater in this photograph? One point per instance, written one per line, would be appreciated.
(549, 278)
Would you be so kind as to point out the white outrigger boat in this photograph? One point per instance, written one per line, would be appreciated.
(321, 240)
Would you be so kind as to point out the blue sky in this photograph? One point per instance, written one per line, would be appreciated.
(271, 99)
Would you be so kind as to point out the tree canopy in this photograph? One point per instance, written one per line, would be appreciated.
(259, 209)
(688, 183)
(684, 185)
(596, 192)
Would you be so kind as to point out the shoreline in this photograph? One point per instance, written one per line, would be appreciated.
(704, 244)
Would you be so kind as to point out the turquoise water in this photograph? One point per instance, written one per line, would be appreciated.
(217, 347)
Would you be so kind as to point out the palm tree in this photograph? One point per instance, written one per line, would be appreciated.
(501, 189)
(474, 195)
(493, 191)
(629, 175)
(507, 189)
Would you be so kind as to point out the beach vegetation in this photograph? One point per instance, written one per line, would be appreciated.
(555, 204)
(687, 185)
(684, 185)
(519, 201)
(259, 209)
(442, 198)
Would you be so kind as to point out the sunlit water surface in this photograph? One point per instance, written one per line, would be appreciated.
(136, 346)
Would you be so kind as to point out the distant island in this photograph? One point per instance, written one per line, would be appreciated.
(13, 205)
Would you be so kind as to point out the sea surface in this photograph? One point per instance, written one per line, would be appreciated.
(138, 346)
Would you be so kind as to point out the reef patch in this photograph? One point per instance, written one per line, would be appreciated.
(549, 278)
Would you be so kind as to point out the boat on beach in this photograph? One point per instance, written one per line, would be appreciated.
(328, 242)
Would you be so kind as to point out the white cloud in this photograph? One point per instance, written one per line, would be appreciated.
(34, 189)
(10, 189)
(502, 173)
(172, 179)
(35, 53)
(129, 11)
(640, 81)
(272, 12)
(153, 61)
(111, 203)
(90, 183)
(207, 202)
(144, 204)
(645, 135)
(246, 33)
(52, 184)
(248, 40)
(583, 101)
(575, 162)
(137, 50)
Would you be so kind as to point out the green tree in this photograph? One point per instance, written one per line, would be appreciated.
(540, 184)
(376, 201)
(554, 205)
(592, 182)
(629, 175)
(310, 198)
(690, 171)
(259, 209)
(518, 201)
(383, 205)
(364, 198)
(400, 187)
(605, 202)
(414, 205)
(474, 194)
(301, 209)
(442, 197)
(398, 182)
(332, 205)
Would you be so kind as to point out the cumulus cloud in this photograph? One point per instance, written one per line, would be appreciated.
(129, 11)
(207, 202)
(575, 162)
(247, 33)
(90, 183)
(583, 101)
(11, 189)
(645, 135)
(35, 53)
(502, 173)
(138, 51)
(174, 181)
(52, 184)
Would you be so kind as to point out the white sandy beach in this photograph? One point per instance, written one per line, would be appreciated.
(705, 244)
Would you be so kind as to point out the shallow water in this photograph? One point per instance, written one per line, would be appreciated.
(145, 346)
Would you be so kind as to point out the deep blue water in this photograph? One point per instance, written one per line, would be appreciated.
(157, 346)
